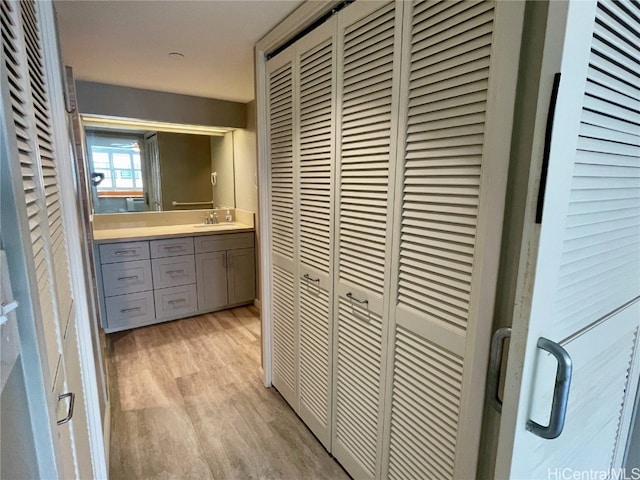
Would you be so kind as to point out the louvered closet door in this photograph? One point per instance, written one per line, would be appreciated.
(21, 75)
(315, 56)
(586, 294)
(368, 68)
(458, 90)
(282, 130)
(34, 171)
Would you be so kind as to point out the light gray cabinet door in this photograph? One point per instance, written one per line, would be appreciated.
(126, 277)
(211, 280)
(173, 271)
(241, 275)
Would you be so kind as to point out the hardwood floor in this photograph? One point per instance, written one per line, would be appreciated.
(187, 401)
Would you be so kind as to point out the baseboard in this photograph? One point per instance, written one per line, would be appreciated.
(106, 432)
(257, 303)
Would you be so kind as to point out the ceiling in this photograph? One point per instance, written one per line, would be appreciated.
(128, 43)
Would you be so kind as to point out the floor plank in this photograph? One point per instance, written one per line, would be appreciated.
(187, 401)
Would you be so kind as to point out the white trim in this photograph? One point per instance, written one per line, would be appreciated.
(73, 228)
(295, 22)
(106, 433)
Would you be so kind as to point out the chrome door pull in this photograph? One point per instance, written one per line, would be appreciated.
(495, 362)
(72, 400)
(306, 276)
(362, 302)
(560, 392)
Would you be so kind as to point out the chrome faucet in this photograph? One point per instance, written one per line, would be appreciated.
(212, 219)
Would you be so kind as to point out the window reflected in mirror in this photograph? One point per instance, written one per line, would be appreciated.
(139, 170)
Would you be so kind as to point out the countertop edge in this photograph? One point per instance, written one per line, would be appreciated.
(160, 236)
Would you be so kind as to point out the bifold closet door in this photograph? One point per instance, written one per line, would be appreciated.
(458, 91)
(315, 113)
(302, 125)
(284, 218)
(368, 68)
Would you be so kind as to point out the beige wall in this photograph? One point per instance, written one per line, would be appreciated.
(222, 162)
(246, 168)
(185, 166)
(245, 160)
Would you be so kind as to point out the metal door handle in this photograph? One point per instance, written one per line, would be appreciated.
(351, 297)
(72, 400)
(131, 277)
(495, 361)
(306, 276)
(560, 392)
(125, 252)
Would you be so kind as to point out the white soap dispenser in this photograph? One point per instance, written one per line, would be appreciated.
(228, 216)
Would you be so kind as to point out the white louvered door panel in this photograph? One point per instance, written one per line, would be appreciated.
(368, 74)
(18, 78)
(47, 163)
(284, 219)
(456, 117)
(28, 62)
(315, 57)
(586, 292)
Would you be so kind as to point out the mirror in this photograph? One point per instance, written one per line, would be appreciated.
(166, 168)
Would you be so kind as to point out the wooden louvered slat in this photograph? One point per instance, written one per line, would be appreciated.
(601, 252)
(281, 140)
(24, 80)
(443, 158)
(455, 103)
(44, 134)
(359, 358)
(284, 357)
(314, 351)
(365, 149)
(316, 156)
(425, 408)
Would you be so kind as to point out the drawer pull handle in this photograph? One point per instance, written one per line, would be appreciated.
(173, 247)
(172, 272)
(179, 300)
(132, 309)
(125, 252)
(306, 276)
(72, 401)
(132, 277)
(354, 299)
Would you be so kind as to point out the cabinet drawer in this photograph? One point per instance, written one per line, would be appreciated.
(130, 310)
(126, 277)
(175, 302)
(171, 247)
(227, 241)
(122, 252)
(173, 271)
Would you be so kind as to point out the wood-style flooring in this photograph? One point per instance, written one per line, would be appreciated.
(188, 402)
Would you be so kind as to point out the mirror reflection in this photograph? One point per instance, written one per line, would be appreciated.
(139, 170)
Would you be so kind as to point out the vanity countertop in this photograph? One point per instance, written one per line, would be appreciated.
(167, 231)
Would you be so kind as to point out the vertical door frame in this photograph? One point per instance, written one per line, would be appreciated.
(565, 31)
(73, 229)
(300, 18)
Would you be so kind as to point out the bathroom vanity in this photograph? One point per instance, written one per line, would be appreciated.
(149, 273)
